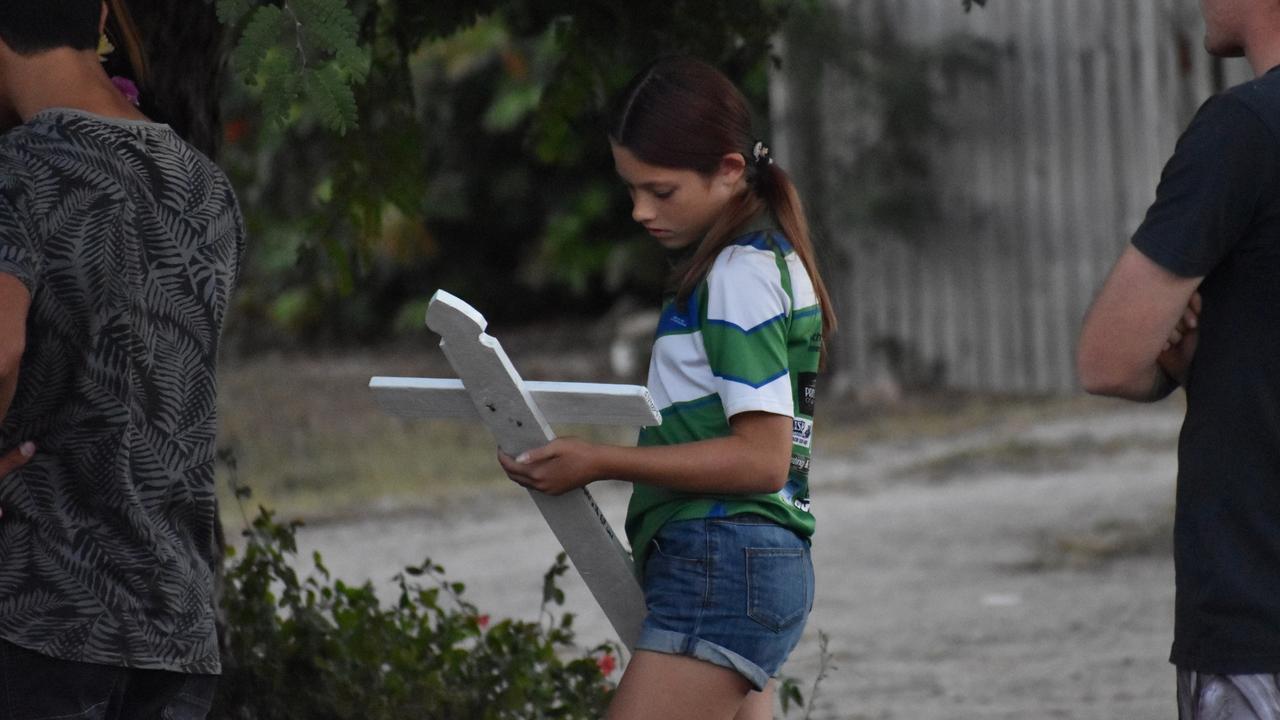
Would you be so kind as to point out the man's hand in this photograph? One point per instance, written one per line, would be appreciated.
(1180, 348)
(15, 459)
(561, 465)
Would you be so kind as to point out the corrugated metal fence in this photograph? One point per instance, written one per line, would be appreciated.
(1050, 158)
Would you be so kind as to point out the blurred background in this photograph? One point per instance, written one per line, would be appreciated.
(998, 545)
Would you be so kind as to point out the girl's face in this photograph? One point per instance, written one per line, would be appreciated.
(678, 206)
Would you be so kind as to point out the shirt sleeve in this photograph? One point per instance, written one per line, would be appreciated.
(745, 332)
(1210, 188)
(18, 254)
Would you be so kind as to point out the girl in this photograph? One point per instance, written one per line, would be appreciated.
(719, 518)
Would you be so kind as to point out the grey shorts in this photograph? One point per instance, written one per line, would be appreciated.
(1202, 696)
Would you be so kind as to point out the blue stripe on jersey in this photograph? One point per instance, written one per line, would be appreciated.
(806, 312)
(747, 331)
(674, 322)
(677, 407)
(765, 241)
(760, 384)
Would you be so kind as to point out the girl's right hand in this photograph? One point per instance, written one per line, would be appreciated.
(561, 465)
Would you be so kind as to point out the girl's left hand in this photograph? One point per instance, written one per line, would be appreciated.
(561, 465)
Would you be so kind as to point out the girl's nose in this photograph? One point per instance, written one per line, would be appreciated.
(641, 211)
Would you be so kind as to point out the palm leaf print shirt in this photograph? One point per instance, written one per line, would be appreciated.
(129, 242)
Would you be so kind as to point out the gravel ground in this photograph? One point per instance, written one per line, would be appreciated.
(1018, 570)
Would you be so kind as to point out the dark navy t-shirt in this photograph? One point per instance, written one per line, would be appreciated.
(129, 242)
(1217, 216)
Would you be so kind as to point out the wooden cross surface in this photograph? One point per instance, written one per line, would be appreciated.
(518, 414)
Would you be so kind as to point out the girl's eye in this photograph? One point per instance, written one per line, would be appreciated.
(663, 194)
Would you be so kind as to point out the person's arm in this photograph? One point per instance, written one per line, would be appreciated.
(14, 303)
(755, 458)
(1125, 349)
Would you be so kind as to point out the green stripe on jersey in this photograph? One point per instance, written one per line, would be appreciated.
(754, 357)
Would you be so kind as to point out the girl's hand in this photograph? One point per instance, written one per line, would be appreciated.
(561, 465)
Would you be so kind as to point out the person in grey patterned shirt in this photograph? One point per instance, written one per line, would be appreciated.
(119, 248)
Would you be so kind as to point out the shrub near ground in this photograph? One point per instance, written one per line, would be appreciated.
(319, 649)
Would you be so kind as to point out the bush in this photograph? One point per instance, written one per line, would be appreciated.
(321, 649)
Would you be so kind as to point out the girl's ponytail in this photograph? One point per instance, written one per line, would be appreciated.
(774, 186)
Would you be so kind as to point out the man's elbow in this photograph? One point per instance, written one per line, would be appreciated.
(1101, 374)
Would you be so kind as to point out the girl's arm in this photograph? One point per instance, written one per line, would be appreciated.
(754, 459)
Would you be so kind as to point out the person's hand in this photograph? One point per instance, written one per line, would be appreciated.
(15, 459)
(1180, 347)
(561, 465)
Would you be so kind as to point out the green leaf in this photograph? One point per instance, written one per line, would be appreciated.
(230, 12)
(331, 98)
(260, 38)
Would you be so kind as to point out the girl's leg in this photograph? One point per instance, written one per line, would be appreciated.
(675, 687)
(758, 705)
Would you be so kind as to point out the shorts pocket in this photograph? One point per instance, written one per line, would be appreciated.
(777, 586)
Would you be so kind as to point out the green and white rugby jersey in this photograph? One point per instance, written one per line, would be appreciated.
(749, 339)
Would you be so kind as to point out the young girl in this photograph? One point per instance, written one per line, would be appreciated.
(719, 519)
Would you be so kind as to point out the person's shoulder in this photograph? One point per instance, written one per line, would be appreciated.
(20, 153)
(1256, 100)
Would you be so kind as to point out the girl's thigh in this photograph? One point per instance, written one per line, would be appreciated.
(658, 685)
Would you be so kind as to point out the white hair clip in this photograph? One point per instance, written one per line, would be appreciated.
(761, 153)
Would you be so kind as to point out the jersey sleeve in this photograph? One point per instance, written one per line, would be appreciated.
(1210, 189)
(18, 255)
(745, 331)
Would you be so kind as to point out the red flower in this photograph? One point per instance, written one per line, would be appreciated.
(482, 621)
(236, 130)
(607, 664)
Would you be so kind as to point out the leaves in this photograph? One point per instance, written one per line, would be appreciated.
(320, 648)
(302, 57)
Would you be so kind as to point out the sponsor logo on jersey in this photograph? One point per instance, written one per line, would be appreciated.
(802, 432)
(800, 464)
(802, 504)
(807, 386)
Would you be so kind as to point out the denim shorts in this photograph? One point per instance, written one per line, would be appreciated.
(733, 591)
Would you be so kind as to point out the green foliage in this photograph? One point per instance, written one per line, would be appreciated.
(473, 152)
(394, 147)
(320, 649)
(301, 59)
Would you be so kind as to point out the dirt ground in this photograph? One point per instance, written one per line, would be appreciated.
(1018, 569)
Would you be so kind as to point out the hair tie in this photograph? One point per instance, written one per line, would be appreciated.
(761, 153)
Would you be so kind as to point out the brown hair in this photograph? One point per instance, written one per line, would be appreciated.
(682, 113)
(124, 33)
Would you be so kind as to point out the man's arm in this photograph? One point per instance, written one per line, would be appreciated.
(1123, 342)
(14, 303)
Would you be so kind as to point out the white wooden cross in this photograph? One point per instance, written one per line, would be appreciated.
(518, 414)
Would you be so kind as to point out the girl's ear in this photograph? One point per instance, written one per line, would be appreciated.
(732, 167)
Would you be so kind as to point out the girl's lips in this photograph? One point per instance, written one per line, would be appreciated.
(658, 232)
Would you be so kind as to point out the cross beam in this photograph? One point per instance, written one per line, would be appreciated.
(518, 414)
